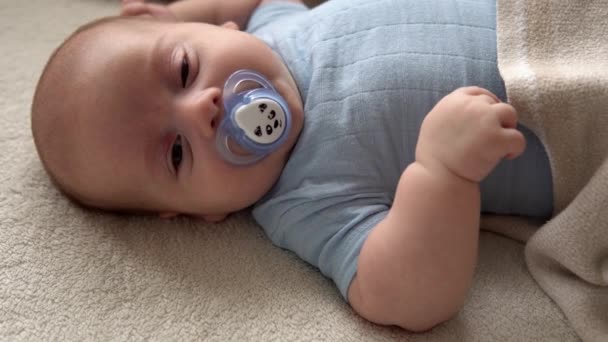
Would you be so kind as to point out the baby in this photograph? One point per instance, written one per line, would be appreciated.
(395, 134)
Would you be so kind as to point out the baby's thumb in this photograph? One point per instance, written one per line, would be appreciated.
(515, 143)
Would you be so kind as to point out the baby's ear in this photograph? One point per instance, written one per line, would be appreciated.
(231, 25)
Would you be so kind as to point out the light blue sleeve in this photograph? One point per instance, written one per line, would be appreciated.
(267, 17)
(325, 224)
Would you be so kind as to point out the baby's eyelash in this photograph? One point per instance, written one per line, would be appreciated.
(185, 70)
(177, 153)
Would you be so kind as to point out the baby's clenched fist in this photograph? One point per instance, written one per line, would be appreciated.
(467, 133)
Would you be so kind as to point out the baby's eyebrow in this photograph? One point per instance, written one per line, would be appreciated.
(160, 59)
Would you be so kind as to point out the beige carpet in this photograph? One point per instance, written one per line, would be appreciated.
(69, 274)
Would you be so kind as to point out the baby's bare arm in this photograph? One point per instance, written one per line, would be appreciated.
(415, 268)
(218, 11)
(417, 265)
(215, 11)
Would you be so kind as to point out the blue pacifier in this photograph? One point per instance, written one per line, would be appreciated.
(258, 119)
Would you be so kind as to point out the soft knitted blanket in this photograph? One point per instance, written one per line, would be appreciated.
(553, 56)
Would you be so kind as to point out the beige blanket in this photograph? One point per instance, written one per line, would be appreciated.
(553, 56)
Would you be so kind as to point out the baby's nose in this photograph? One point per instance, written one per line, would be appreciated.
(204, 110)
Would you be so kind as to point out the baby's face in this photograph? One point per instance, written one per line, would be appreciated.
(149, 105)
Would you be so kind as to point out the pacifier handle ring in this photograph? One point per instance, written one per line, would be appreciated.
(222, 144)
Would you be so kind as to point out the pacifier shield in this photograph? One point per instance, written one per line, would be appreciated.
(257, 119)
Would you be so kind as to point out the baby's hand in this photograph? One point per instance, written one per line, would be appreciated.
(140, 7)
(468, 132)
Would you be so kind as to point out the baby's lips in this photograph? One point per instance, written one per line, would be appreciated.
(217, 120)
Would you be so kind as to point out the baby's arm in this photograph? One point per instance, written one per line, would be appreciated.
(214, 12)
(416, 266)
(218, 11)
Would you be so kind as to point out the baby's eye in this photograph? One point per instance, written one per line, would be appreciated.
(176, 153)
(185, 70)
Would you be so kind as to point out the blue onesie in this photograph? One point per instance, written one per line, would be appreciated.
(368, 73)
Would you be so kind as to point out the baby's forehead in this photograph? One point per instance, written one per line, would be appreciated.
(119, 23)
(92, 47)
(103, 29)
(105, 74)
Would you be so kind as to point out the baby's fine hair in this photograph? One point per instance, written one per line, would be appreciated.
(44, 118)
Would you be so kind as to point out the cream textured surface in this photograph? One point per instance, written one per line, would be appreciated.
(554, 60)
(70, 274)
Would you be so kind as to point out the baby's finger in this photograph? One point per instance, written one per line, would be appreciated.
(125, 3)
(134, 8)
(507, 115)
(477, 91)
(514, 143)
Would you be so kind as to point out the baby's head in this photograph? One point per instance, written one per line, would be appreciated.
(126, 112)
